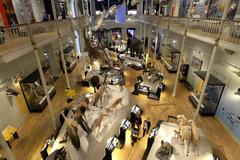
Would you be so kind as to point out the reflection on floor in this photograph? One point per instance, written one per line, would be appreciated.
(37, 126)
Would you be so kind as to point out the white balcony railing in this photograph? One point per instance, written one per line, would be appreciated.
(13, 38)
(17, 37)
(231, 32)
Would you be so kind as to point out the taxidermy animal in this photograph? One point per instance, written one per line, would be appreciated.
(195, 136)
(72, 132)
(97, 122)
(83, 104)
(114, 105)
(185, 137)
(99, 95)
(188, 133)
(165, 151)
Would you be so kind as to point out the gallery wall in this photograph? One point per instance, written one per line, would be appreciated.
(13, 108)
(226, 66)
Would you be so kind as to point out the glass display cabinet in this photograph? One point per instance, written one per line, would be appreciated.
(212, 95)
(171, 59)
(33, 90)
(70, 58)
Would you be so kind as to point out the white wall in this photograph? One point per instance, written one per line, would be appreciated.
(229, 106)
(10, 113)
(38, 9)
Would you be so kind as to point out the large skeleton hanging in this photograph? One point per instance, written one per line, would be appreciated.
(92, 35)
(93, 39)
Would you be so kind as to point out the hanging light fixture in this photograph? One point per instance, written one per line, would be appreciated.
(238, 92)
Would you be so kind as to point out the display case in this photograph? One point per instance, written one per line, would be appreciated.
(171, 59)
(112, 143)
(33, 90)
(70, 58)
(212, 94)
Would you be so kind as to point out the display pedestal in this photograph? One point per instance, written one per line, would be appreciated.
(92, 146)
(166, 133)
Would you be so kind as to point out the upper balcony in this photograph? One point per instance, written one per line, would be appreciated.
(202, 29)
(16, 41)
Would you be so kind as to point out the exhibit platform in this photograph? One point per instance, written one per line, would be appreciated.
(166, 133)
(93, 145)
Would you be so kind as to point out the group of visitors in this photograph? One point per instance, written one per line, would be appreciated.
(136, 120)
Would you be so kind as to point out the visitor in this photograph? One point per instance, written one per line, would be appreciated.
(146, 126)
(105, 80)
(139, 121)
(122, 81)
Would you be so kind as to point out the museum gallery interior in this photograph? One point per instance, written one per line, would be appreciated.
(119, 79)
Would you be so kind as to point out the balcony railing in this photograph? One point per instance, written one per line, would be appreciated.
(14, 38)
(231, 32)
(43, 27)
(178, 24)
(17, 37)
(203, 27)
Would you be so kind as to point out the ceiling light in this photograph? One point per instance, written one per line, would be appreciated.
(238, 92)
(174, 41)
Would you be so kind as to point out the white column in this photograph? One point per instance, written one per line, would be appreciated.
(151, 9)
(149, 42)
(6, 148)
(50, 108)
(62, 55)
(91, 9)
(182, 49)
(73, 37)
(155, 50)
(165, 43)
(144, 36)
(63, 61)
(140, 35)
(54, 9)
(83, 6)
(214, 52)
(159, 7)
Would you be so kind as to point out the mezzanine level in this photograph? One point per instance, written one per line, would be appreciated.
(201, 29)
(16, 41)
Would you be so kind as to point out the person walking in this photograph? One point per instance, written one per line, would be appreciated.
(122, 81)
(105, 80)
(139, 121)
(146, 126)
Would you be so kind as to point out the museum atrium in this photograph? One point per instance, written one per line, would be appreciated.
(120, 79)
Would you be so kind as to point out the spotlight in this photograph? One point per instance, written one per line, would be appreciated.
(238, 92)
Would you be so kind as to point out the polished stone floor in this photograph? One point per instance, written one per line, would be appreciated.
(37, 126)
